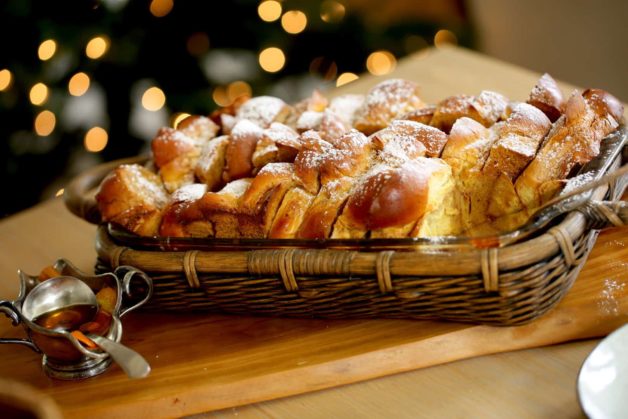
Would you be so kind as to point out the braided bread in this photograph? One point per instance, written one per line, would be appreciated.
(379, 165)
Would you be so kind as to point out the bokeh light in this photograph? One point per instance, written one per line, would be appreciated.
(198, 44)
(78, 84)
(38, 94)
(153, 99)
(6, 78)
(97, 47)
(238, 89)
(45, 123)
(346, 78)
(332, 11)
(294, 21)
(160, 8)
(220, 96)
(381, 62)
(177, 118)
(47, 49)
(96, 139)
(445, 37)
(269, 10)
(272, 59)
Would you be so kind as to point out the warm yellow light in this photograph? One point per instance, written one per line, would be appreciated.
(178, 117)
(5, 79)
(380, 63)
(332, 11)
(220, 96)
(294, 21)
(198, 44)
(97, 47)
(96, 139)
(78, 84)
(272, 59)
(45, 123)
(269, 11)
(47, 49)
(237, 89)
(346, 78)
(38, 94)
(153, 99)
(60, 192)
(444, 37)
(160, 8)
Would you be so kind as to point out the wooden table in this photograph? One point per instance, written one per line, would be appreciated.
(528, 383)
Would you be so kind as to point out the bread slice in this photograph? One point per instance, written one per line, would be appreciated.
(134, 198)
(385, 102)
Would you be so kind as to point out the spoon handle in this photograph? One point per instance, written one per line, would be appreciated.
(132, 363)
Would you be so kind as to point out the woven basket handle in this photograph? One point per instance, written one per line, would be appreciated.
(78, 194)
(606, 213)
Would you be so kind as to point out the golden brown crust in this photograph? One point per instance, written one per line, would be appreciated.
(211, 162)
(183, 217)
(290, 214)
(422, 116)
(405, 131)
(547, 97)
(387, 101)
(132, 197)
(239, 153)
(486, 108)
(389, 197)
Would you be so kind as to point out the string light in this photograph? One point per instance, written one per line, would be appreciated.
(238, 89)
(160, 8)
(272, 59)
(220, 96)
(346, 78)
(5, 79)
(332, 11)
(96, 139)
(97, 47)
(269, 10)
(78, 84)
(198, 44)
(294, 21)
(59, 192)
(444, 37)
(178, 117)
(38, 94)
(381, 62)
(47, 49)
(153, 99)
(45, 123)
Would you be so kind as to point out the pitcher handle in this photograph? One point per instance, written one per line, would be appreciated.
(129, 274)
(12, 313)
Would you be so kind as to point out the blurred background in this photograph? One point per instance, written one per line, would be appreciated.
(86, 81)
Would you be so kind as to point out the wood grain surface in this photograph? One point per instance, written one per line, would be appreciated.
(208, 362)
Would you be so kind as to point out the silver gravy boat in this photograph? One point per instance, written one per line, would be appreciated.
(64, 357)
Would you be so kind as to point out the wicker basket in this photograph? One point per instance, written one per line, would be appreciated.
(506, 285)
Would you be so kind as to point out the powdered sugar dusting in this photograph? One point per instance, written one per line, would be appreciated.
(189, 193)
(261, 110)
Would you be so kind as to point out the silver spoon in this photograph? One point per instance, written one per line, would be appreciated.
(603, 378)
(65, 303)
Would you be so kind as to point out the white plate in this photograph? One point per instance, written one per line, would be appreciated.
(603, 378)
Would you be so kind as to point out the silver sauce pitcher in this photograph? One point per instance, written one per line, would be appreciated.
(64, 357)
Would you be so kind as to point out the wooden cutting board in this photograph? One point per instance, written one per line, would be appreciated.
(205, 362)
